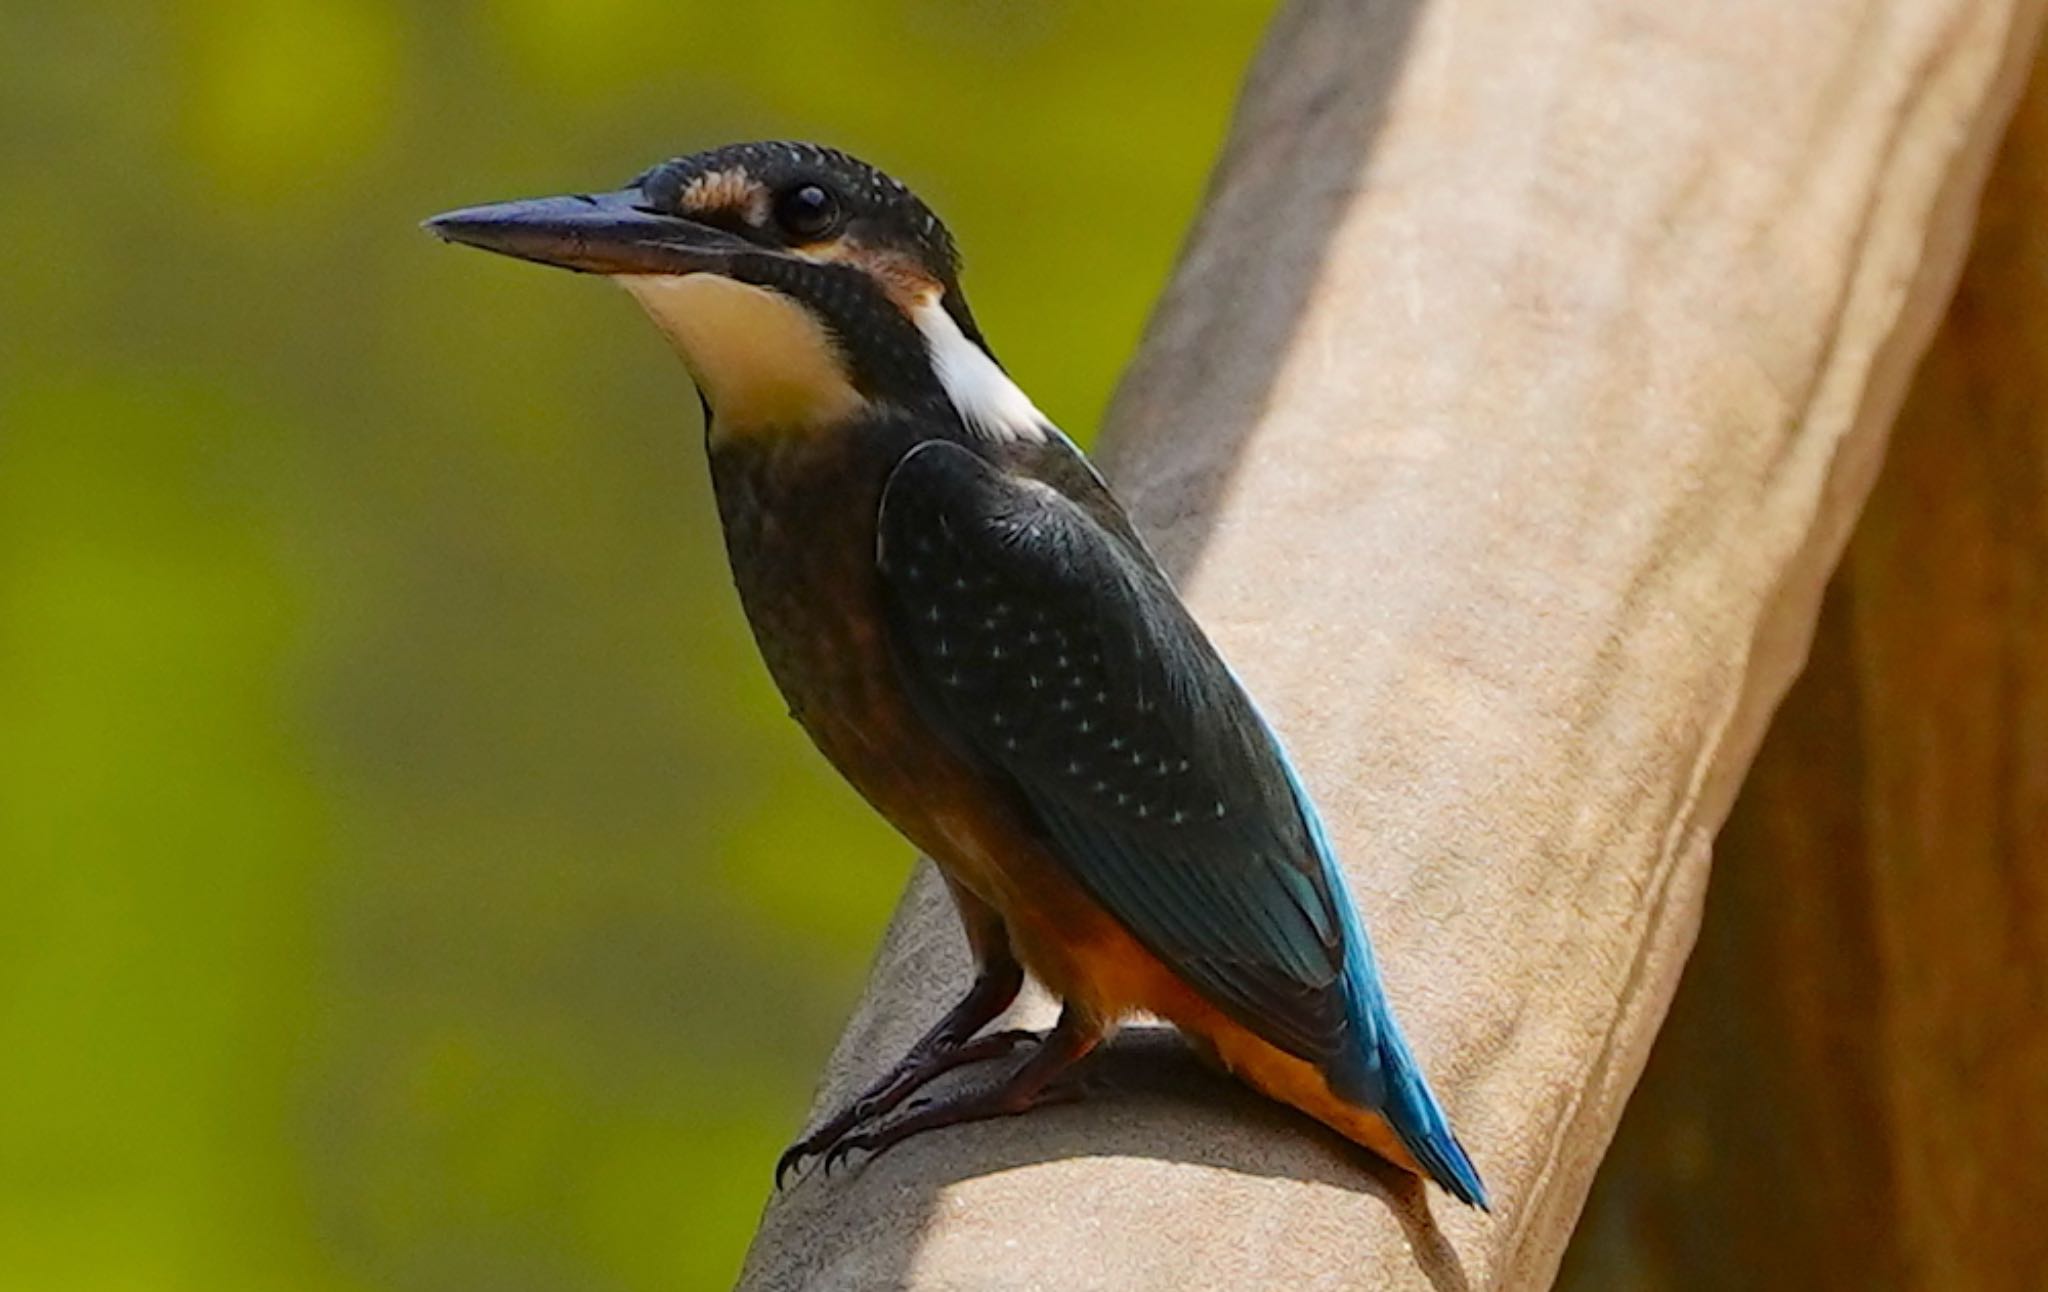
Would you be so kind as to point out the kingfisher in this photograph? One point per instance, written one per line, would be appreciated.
(965, 621)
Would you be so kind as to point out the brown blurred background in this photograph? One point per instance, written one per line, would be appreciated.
(1848, 1091)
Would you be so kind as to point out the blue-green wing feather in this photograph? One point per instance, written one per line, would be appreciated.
(1051, 650)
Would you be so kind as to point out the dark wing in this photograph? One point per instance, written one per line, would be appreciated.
(1058, 655)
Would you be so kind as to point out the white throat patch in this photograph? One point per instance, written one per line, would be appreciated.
(763, 362)
(987, 400)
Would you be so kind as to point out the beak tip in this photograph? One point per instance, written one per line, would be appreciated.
(449, 226)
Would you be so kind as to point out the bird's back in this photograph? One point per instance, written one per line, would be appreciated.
(1147, 767)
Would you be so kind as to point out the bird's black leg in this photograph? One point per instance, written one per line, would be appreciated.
(1030, 1086)
(951, 1043)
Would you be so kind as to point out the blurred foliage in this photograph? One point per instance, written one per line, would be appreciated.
(407, 877)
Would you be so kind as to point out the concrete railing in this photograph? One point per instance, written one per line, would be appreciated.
(1511, 404)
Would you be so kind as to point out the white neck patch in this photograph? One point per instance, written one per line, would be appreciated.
(988, 401)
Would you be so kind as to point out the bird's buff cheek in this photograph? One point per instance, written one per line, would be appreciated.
(764, 363)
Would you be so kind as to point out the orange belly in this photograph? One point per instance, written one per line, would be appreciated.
(978, 833)
(1088, 960)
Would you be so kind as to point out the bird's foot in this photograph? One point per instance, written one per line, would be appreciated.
(918, 1068)
(979, 1106)
(1043, 1078)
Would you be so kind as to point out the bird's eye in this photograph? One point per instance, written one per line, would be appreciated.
(807, 211)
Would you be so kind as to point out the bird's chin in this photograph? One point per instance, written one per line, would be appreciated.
(764, 362)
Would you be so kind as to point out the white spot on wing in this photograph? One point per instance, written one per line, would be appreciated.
(988, 401)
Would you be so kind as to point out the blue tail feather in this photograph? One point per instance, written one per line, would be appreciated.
(1385, 1077)
(1382, 1073)
(1419, 1120)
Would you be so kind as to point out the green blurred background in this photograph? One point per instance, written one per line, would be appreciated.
(407, 877)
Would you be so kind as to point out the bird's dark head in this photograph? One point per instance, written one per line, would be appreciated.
(800, 285)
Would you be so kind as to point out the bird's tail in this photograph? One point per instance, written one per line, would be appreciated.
(1416, 1117)
(1381, 1074)
(1386, 1079)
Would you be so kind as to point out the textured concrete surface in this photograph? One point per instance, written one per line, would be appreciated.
(1508, 410)
(1865, 1016)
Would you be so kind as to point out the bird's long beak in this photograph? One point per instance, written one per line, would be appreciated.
(604, 233)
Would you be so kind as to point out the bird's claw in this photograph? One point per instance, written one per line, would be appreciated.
(833, 1142)
(839, 1152)
(826, 1138)
(792, 1157)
